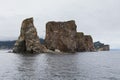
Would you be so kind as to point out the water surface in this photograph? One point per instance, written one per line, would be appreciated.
(79, 66)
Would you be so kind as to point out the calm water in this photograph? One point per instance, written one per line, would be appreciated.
(79, 66)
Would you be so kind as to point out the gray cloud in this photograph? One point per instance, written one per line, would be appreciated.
(99, 18)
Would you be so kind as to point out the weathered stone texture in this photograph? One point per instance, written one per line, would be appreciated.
(28, 40)
(61, 36)
(89, 43)
(80, 40)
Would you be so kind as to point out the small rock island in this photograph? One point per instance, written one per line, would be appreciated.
(101, 46)
(28, 40)
(60, 37)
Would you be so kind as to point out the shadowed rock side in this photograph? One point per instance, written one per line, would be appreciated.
(89, 43)
(28, 40)
(61, 36)
(80, 39)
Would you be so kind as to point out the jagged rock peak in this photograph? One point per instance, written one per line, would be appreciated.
(28, 40)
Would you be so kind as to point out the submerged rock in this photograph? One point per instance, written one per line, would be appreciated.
(28, 40)
(61, 36)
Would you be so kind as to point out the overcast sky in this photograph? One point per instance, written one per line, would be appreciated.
(99, 18)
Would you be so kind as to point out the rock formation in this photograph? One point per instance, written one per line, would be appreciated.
(101, 46)
(61, 36)
(89, 43)
(28, 40)
(64, 37)
(80, 40)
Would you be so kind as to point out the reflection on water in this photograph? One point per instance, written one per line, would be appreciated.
(79, 66)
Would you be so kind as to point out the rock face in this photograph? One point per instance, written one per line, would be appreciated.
(61, 36)
(101, 46)
(104, 48)
(89, 43)
(80, 39)
(84, 42)
(64, 37)
(28, 40)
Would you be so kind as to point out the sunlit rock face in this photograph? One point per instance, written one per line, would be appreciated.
(61, 36)
(28, 40)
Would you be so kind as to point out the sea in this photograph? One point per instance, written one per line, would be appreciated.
(103, 65)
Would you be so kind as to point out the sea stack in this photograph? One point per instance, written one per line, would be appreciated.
(28, 40)
(61, 36)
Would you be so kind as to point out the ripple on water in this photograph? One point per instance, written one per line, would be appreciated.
(79, 66)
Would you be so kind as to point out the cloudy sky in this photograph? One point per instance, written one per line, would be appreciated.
(99, 18)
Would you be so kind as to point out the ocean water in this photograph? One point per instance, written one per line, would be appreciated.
(104, 65)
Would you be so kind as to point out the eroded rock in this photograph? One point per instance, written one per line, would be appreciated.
(28, 40)
(89, 43)
(80, 39)
(61, 36)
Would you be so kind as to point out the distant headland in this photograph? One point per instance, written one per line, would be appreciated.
(60, 37)
(101, 46)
